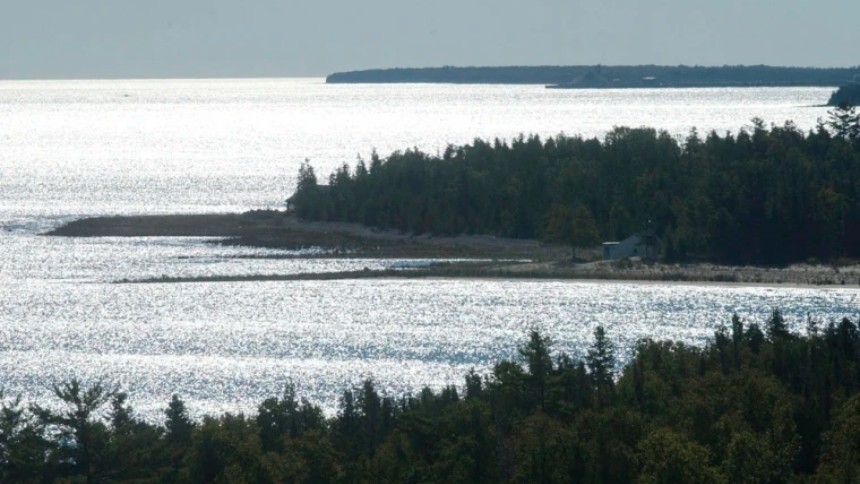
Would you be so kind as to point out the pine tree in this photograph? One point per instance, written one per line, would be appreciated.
(601, 362)
(536, 353)
(844, 121)
(776, 326)
(81, 423)
(178, 423)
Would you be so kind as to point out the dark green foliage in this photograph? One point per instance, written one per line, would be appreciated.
(286, 416)
(848, 94)
(226, 449)
(601, 363)
(745, 408)
(844, 121)
(840, 461)
(131, 450)
(178, 425)
(669, 457)
(763, 196)
(539, 364)
(308, 193)
(83, 435)
(22, 444)
(776, 326)
(755, 338)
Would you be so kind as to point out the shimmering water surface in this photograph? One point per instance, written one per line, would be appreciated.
(84, 147)
(71, 149)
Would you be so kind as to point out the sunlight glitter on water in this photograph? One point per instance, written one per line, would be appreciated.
(228, 345)
(108, 259)
(149, 146)
(70, 149)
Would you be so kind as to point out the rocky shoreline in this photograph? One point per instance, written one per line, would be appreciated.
(501, 257)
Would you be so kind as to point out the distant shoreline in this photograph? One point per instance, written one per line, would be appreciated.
(500, 258)
(596, 77)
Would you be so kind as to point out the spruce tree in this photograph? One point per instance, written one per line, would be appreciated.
(601, 362)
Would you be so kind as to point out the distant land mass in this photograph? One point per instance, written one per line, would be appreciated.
(610, 76)
(848, 94)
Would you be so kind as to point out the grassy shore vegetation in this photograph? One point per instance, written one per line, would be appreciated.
(757, 404)
(764, 196)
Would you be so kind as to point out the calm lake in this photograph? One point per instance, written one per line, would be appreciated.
(78, 148)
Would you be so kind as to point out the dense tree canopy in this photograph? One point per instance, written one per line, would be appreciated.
(745, 408)
(766, 196)
(848, 94)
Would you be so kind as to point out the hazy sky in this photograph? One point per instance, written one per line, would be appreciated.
(253, 38)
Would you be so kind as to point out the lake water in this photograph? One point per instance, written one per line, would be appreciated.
(80, 148)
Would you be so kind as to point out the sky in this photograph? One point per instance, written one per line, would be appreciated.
(85, 39)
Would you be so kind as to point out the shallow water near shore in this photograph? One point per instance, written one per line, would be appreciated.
(89, 148)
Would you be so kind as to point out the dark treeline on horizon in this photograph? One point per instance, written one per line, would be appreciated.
(768, 196)
(757, 404)
(679, 76)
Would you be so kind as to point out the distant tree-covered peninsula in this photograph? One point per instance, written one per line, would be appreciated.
(609, 76)
(848, 94)
(765, 196)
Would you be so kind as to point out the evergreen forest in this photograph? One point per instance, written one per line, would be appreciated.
(848, 94)
(758, 403)
(764, 195)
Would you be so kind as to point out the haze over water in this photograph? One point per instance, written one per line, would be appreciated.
(77, 148)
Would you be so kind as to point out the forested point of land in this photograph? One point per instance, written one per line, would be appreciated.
(848, 94)
(765, 195)
(757, 404)
(624, 76)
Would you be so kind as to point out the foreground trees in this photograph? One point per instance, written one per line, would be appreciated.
(762, 196)
(752, 406)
